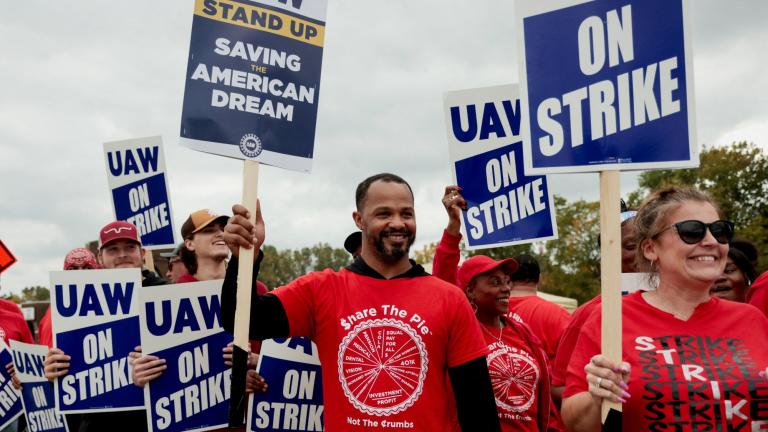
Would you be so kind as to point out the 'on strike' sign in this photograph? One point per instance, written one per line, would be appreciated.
(606, 85)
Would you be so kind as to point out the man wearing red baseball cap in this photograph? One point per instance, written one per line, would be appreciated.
(119, 247)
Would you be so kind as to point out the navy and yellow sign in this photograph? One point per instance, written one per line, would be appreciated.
(253, 80)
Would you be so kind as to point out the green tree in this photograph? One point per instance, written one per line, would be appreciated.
(737, 178)
(282, 266)
(35, 293)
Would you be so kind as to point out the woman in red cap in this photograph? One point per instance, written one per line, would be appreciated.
(516, 362)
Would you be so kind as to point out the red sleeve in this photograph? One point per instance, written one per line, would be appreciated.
(466, 340)
(298, 301)
(587, 346)
(44, 332)
(758, 293)
(568, 342)
(261, 289)
(186, 278)
(447, 256)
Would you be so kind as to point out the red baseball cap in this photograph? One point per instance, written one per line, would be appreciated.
(118, 230)
(480, 264)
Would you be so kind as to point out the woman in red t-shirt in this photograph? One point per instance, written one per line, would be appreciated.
(516, 362)
(697, 362)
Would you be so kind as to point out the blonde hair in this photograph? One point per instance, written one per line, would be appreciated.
(652, 217)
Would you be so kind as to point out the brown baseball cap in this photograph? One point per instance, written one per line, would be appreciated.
(199, 220)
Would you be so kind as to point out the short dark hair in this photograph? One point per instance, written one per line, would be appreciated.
(362, 189)
(527, 269)
(189, 259)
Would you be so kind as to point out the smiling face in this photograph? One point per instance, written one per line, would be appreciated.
(687, 265)
(628, 246)
(388, 221)
(208, 243)
(732, 285)
(490, 291)
(121, 253)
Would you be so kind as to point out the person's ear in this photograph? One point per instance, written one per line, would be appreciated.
(358, 218)
(189, 245)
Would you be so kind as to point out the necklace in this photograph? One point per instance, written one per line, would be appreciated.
(498, 339)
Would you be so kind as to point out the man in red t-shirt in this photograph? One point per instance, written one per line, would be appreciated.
(400, 349)
(547, 320)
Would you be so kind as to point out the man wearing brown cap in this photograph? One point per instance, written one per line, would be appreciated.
(119, 247)
(204, 252)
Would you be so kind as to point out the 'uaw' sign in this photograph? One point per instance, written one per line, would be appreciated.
(95, 320)
(36, 390)
(182, 324)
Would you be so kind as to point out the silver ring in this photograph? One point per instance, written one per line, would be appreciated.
(599, 382)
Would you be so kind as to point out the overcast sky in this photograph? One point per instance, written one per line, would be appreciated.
(76, 74)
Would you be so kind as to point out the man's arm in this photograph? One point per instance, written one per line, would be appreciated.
(447, 254)
(475, 402)
(268, 317)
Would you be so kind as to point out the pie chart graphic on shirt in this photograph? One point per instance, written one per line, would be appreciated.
(514, 376)
(382, 366)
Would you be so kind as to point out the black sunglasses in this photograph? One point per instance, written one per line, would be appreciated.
(693, 231)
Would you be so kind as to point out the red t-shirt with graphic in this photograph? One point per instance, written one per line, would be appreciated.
(515, 376)
(546, 320)
(385, 347)
(704, 374)
(12, 323)
(569, 338)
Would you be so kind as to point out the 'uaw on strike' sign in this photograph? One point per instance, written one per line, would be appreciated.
(606, 85)
(253, 80)
(36, 390)
(10, 400)
(294, 402)
(504, 207)
(182, 324)
(136, 177)
(95, 320)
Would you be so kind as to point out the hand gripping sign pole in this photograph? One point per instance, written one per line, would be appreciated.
(243, 309)
(610, 280)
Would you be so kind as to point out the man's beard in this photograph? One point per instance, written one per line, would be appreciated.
(394, 253)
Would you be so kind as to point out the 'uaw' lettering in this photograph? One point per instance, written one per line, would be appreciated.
(302, 344)
(612, 106)
(96, 381)
(110, 297)
(193, 399)
(8, 396)
(133, 161)
(489, 121)
(29, 364)
(187, 315)
(507, 208)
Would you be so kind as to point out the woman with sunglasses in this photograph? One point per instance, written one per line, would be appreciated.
(697, 362)
(517, 363)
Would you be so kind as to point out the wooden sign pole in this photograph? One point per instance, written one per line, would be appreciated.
(610, 278)
(149, 261)
(243, 312)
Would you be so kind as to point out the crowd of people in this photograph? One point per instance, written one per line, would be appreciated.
(474, 348)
